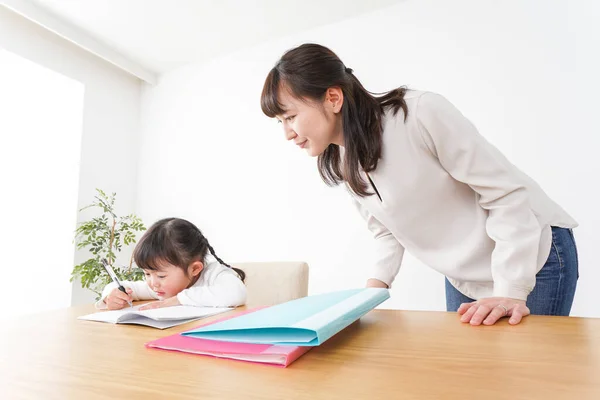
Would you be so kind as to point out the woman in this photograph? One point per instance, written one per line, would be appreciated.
(426, 181)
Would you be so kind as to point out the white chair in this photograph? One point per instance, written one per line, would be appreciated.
(270, 283)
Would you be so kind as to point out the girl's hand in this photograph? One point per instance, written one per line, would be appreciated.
(117, 300)
(491, 309)
(170, 302)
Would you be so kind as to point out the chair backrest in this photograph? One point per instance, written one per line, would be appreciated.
(271, 283)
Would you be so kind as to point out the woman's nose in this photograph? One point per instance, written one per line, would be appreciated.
(289, 132)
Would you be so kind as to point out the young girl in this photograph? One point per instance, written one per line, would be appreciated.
(426, 181)
(173, 255)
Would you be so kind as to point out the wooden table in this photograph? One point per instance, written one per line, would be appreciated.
(386, 355)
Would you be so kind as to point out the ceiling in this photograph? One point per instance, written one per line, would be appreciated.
(161, 35)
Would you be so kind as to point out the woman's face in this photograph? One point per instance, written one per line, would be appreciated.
(312, 125)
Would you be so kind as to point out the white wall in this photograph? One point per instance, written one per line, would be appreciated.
(110, 120)
(523, 71)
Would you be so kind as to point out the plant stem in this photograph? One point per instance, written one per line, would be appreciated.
(112, 238)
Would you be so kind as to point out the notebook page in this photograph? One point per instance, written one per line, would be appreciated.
(162, 324)
(112, 316)
(181, 312)
(176, 313)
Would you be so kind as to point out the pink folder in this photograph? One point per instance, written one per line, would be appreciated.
(259, 353)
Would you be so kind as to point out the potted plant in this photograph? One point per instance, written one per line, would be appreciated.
(104, 236)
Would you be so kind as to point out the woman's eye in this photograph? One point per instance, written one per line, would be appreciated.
(159, 276)
(290, 118)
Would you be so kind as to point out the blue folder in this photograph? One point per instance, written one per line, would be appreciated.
(308, 321)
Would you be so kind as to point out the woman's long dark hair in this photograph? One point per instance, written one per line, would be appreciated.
(308, 71)
(176, 241)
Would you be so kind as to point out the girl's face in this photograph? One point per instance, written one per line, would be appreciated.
(312, 125)
(169, 280)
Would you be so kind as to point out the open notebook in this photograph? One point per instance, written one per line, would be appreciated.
(308, 321)
(160, 318)
(258, 353)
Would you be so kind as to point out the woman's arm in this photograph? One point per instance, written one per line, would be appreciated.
(388, 250)
(470, 159)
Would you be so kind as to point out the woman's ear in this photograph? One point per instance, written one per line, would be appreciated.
(334, 99)
(195, 268)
